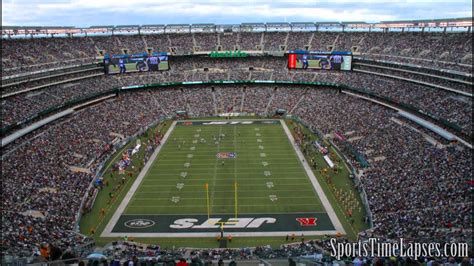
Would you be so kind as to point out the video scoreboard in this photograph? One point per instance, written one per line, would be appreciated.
(124, 63)
(319, 60)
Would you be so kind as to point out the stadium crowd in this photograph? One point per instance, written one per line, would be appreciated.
(446, 50)
(448, 105)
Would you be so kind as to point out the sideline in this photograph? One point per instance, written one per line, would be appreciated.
(324, 200)
(121, 208)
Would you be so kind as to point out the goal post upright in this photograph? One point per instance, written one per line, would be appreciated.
(207, 201)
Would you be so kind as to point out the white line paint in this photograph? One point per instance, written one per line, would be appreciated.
(121, 208)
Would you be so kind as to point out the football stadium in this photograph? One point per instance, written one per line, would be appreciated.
(262, 143)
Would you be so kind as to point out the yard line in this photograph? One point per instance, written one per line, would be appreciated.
(215, 214)
(246, 184)
(231, 191)
(220, 198)
(239, 172)
(259, 164)
(262, 179)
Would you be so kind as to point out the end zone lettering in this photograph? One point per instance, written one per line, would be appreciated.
(215, 223)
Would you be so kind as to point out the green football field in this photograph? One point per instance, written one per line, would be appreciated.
(256, 183)
(131, 67)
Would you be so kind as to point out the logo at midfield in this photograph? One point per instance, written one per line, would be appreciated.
(226, 155)
(307, 221)
(139, 223)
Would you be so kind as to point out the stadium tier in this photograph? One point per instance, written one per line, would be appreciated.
(120, 139)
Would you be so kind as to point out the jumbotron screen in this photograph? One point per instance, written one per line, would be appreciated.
(119, 64)
(320, 60)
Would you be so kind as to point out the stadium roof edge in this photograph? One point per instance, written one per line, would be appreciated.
(277, 23)
(203, 24)
(302, 23)
(465, 22)
(354, 22)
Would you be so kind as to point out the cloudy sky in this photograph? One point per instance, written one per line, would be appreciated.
(85, 13)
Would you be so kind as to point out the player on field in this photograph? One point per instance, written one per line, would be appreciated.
(121, 64)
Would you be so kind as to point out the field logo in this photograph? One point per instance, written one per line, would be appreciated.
(226, 155)
(228, 123)
(187, 123)
(311, 221)
(139, 223)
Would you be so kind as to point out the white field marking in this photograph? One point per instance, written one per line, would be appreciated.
(267, 173)
(192, 148)
(246, 184)
(174, 199)
(259, 140)
(314, 181)
(277, 150)
(272, 198)
(190, 156)
(253, 178)
(273, 156)
(230, 190)
(263, 154)
(196, 135)
(266, 163)
(183, 174)
(187, 165)
(257, 129)
(195, 174)
(227, 205)
(195, 141)
(261, 147)
(258, 135)
(214, 179)
(250, 163)
(171, 171)
(257, 183)
(121, 208)
(235, 161)
(224, 214)
(178, 186)
(213, 234)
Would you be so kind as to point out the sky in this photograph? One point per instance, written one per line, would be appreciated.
(85, 13)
